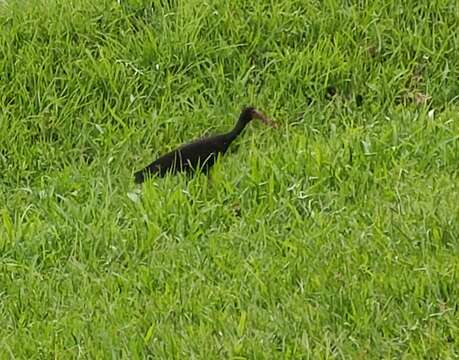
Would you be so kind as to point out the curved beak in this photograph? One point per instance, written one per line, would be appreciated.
(264, 119)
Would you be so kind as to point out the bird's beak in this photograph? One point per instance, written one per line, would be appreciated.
(264, 119)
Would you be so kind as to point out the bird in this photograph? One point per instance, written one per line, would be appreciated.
(202, 153)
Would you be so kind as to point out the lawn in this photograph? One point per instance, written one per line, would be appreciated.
(333, 236)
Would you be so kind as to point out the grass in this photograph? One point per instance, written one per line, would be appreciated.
(335, 236)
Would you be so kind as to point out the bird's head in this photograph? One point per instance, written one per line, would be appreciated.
(249, 113)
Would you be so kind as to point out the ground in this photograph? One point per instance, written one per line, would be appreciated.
(333, 236)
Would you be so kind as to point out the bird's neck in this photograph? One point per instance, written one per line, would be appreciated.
(240, 125)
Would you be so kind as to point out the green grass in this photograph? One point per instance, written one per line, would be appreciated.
(335, 236)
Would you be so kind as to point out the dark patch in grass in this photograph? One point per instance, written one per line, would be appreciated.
(330, 92)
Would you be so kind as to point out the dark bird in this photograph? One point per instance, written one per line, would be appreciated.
(199, 154)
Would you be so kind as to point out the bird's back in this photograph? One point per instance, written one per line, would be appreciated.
(199, 154)
(202, 153)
